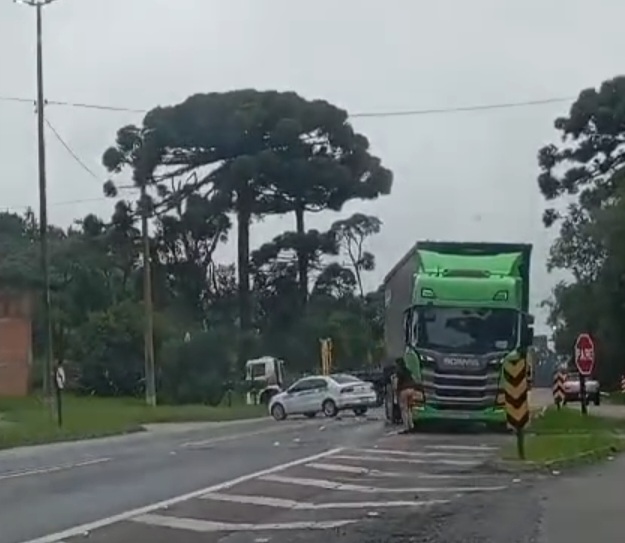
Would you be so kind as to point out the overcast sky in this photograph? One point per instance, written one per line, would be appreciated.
(458, 176)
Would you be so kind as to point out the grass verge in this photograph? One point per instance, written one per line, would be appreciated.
(571, 421)
(566, 438)
(617, 398)
(27, 421)
(558, 450)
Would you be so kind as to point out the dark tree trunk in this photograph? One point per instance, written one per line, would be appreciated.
(244, 216)
(302, 257)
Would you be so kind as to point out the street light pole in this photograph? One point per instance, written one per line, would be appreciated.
(43, 198)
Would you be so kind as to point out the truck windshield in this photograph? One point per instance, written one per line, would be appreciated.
(466, 330)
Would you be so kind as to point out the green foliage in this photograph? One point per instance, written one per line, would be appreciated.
(252, 153)
(587, 170)
(201, 166)
(109, 346)
(199, 370)
(351, 234)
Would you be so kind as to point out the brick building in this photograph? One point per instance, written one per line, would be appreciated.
(15, 342)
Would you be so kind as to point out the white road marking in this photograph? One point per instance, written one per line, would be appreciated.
(58, 537)
(333, 485)
(340, 468)
(281, 503)
(196, 525)
(323, 466)
(476, 448)
(443, 461)
(415, 454)
(52, 469)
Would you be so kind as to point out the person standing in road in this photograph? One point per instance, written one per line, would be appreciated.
(405, 391)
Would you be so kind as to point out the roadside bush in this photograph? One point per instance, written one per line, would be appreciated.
(197, 371)
(109, 352)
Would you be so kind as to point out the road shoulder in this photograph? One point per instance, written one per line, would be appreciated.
(586, 506)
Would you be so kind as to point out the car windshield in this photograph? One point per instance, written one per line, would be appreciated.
(343, 378)
(466, 330)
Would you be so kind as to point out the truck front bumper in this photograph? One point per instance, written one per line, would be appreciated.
(427, 413)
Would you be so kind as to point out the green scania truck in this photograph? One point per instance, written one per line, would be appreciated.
(453, 312)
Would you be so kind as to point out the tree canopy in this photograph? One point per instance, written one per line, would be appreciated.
(252, 154)
(203, 166)
(582, 179)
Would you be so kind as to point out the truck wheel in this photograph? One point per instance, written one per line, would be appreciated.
(388, 409)
(278, 412)
(329, 408)
(389, 405)
(397, 415)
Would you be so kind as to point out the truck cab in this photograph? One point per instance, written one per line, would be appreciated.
(266, 374)
(466, 312)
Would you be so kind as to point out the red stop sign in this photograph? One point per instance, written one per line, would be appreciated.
(584, 354)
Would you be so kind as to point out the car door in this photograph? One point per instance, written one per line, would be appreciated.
(318, 394)
(298, 397)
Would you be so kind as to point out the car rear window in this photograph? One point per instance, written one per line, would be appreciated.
(343, 378)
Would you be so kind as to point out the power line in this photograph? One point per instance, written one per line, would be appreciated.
(79, 161)
(362, 114)
(71, 152)
(461, 109)
(60, 203)
(371, 114)
(79, 105)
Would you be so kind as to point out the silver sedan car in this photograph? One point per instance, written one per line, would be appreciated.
(326, 394)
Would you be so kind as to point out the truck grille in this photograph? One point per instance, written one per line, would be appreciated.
(474, 391)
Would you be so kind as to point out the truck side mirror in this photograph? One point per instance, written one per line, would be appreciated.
(527, 336)
(527, 330)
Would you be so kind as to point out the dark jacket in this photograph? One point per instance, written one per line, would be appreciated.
(404, 377)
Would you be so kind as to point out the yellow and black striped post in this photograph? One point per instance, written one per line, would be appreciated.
(558, 388)
(517, 399)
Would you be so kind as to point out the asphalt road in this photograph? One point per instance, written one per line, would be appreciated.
(52, 488)
(297, 481)
(294, 481)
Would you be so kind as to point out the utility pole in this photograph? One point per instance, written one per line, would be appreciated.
(150, 379)
(43, 198)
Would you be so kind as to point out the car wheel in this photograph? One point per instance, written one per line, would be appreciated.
(329, 408)
(278, 412)
(360, 411)
(310, 415)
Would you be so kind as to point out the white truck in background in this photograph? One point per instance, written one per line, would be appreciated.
(267, 373)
